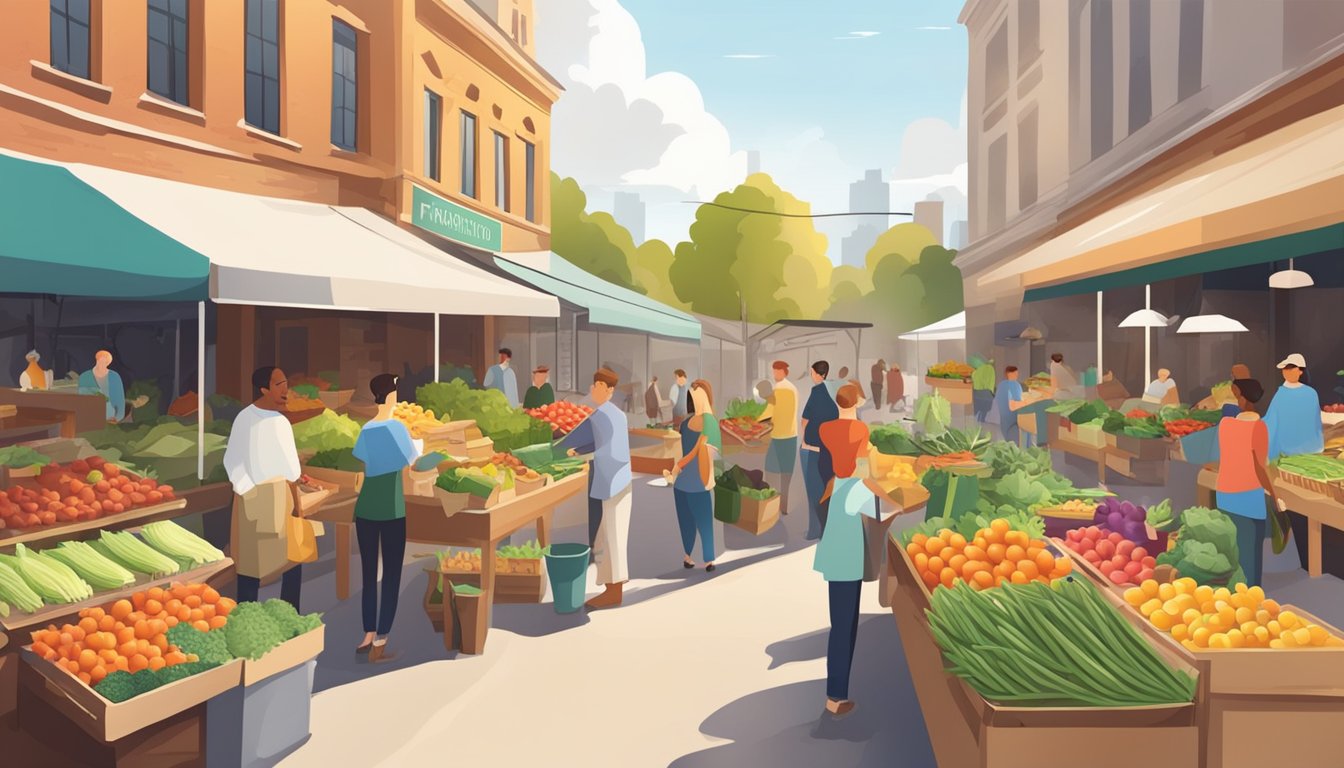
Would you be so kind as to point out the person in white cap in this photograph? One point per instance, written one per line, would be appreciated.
(1294, 416)
(33, 377)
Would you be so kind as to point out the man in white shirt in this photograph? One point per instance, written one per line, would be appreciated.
(501, 377)
(263, 466)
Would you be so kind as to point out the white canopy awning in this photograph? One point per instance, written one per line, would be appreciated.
(947, 329)
(277, 252)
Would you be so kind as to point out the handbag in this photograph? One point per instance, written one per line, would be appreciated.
(300, 541)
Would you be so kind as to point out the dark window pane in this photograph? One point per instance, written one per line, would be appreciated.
(254, 111)
(79, 51)
(58, 6)
(158, 26)
(78, 10)
(531, 181)
(270, 20)
(254, 17)
(344, 87)
(60, 53)
(270, 62)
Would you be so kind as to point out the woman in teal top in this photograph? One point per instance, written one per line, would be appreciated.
(101, 380)
(386, 448)
(693, 476)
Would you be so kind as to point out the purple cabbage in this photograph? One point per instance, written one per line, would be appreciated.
(1123, 517)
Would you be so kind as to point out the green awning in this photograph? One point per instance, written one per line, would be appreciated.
(59, 235)
(1282, 248)
(607, 304)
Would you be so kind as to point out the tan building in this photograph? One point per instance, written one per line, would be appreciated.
(1079, 113)
(432, 113)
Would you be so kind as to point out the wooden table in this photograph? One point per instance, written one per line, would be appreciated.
(75, 413)
(427, 524)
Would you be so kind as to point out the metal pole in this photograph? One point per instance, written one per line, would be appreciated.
(177, 364)
(200, 394)
(1100, 368)
(436, 347)
(1147, 338)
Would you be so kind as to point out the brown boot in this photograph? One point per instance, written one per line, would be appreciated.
(611, 598)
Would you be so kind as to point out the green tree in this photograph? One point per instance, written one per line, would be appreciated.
(776, 265)
(914, 283)
(593, 242)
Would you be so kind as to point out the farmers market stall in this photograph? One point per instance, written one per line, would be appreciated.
(70, 411)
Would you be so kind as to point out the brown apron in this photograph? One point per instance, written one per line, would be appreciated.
(258, 538)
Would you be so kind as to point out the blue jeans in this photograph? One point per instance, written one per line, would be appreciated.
(844, 632)
(291, 582)
(389, 537)
(815, 481)
(1008, 425)
(695, 512)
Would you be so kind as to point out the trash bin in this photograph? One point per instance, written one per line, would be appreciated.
(259, 725)
(567, 564)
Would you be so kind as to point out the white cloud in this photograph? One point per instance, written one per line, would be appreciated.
(749, 56)
(933, 161)
(858, 36)
(616, 125)
(939, 29)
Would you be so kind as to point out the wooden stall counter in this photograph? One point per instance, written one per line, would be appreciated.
(75, 413)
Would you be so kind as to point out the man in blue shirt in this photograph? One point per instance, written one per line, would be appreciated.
(1007, 399)
(501, 377)
(606, 435)
(813, 456)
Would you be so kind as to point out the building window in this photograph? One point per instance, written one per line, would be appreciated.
(433, 133)
(1191, 49)
(530, 181)
(262, 67)
(468, 144)
(1027, 163)
(168, 49)
(1028, 34)
(344, 86)
(515, 23)
(501, 172)
(998, 183)
(1103, 77)
(522, 38)
(1140, 64)
(70, 36)
(996, 66)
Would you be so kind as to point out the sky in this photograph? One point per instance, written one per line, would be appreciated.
(666, 97)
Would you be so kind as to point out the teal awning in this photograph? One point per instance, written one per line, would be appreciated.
(1282, 248)
(59, 235)
(607, 304)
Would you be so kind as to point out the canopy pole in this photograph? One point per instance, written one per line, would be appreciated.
(1100, 368)
(177, 362)
(200, 390)
(436, 347)
(1147, 338)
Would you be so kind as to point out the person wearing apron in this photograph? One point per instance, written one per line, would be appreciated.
(263, 467)
(386, 448)
(606, 434)
(840, 553)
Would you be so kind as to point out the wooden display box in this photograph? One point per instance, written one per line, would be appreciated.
(956, 391)
(1145, 448)
(758, 516)
(1145, 472)
(352, 481)
(513, 588)
(106, 721)
(285, 656)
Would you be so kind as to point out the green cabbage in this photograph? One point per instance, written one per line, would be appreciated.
(326, 431)
(933, 413)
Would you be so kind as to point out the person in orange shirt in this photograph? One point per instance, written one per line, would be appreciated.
(1243, 477)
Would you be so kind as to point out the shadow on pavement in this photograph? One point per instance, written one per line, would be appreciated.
(788, 725)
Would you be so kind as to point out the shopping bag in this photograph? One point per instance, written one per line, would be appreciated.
(727, 505)
(1280, 529)
(301, 541)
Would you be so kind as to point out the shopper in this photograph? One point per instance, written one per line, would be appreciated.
(501, 377)
(781, 408)
(1294, 416)
(386, 448)
(839, 556)
(879, 374)
(606, 434)
(895, 387)
(263, 467)
(678, 393)
(693, 476)
(814, 457)
(1008, 399)
(540, 393)
(1243, 476)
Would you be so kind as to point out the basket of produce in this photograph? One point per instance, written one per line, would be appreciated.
(520, 573)
(745, 431)
(525, 479)
(338, 467)
(562, 416)
(1111, 558)
(479, 490)
(950, 371)
(998, 552)
(743, 498)
(81, 491)
(508, 427)
(1320, 474)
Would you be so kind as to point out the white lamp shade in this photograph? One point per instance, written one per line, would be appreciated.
(1211, 324)
(1145, 318)
(1290, 278)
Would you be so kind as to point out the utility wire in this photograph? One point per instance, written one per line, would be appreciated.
(799, 215)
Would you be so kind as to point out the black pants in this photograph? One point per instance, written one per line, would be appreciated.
(844, 631)
(290, 585)
(389, 536)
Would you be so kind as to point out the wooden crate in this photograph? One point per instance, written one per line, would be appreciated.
(1145, 449)
(515, 588)
(285, 656)
(758, 516)
(955, 391)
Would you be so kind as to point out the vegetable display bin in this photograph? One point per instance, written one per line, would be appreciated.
(567, 565)
(258, 725)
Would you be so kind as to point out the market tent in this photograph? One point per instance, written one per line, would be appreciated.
(59, 235)
(1285, 183)
(607, 304)
(947, 329)
(278, 252)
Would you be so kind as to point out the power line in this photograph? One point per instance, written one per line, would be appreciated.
(799, 215)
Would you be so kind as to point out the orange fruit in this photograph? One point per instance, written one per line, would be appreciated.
(1045, 562)
(996, 553)
(153, 607)
(1004, 569)
(975, 553)
(138, 662)
(1015, 552)
(957, 541)
(929, 577)
(947, 578)
(934, 545)
(957, 562)
(88, 624)
(1028, 569)
(87, 659)
(219, 621)
(121, 609)
(983, 580)
(157, 663)
(914, 550)
(936, 564)
(1019, 577)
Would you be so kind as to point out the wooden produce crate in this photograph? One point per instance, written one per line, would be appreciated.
(967, 730)
(106, 721)
(956, 391)
(349, 480)
(1145, 448)
(1330, 490)
(285, 656)
(1141, 471)
(515, 588)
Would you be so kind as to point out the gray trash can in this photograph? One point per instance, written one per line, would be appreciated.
(259, 725)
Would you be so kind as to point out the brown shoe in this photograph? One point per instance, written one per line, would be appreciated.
(611, 598)
(839, 708)
(377, 651)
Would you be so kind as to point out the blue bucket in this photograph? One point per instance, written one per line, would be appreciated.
(567, 565)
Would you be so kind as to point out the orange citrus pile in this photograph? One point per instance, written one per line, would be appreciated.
(996, 555)
(1203, 618)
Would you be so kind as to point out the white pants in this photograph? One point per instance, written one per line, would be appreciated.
(613, 538)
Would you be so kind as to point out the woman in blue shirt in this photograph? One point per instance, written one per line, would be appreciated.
(693, 477)
(386, 448)
(1008, 398)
